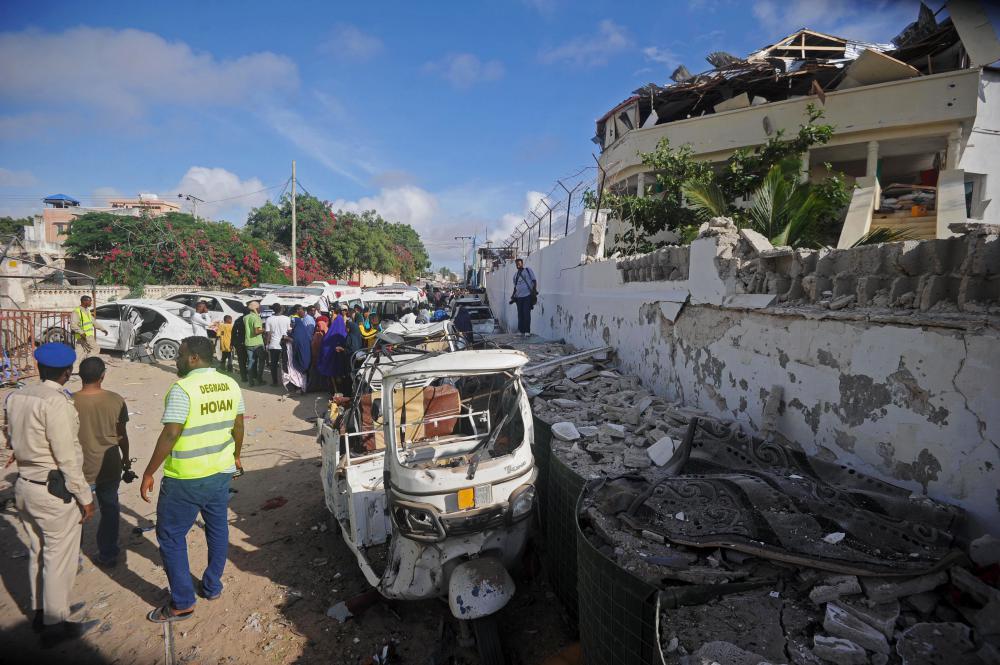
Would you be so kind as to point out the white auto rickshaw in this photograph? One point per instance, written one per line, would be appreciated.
(431, 480)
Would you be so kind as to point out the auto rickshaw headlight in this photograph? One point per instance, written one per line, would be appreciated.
(416, 523)
(522, 500)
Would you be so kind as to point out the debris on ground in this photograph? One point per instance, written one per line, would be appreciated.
(765, 554)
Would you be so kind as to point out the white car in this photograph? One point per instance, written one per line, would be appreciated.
(296, 295)
(338, 292)
(161, 324)
(219, 304)
(389, 305)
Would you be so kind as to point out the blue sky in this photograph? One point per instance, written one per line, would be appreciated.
(454, 117)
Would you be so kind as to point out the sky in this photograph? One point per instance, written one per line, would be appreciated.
(454, 117)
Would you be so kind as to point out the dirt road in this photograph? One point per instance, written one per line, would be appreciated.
(285, 567)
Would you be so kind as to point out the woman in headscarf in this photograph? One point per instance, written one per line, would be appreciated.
(300, 353)
(354, 342)
(316, 380)
(331, 354)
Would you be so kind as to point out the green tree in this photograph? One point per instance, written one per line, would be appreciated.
(14, 225)
(172, 248)
(340, 243)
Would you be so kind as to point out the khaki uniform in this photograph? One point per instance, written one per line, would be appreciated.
(43, 426)
(85, 343)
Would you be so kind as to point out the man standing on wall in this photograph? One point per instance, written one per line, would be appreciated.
(199, 449)
(84, 327)
(525, 295)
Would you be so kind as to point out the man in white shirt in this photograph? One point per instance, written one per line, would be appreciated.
(424, 315)
(408, 318)
(201, 319)
(275, 331)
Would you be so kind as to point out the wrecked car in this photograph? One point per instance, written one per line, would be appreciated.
(430, 476)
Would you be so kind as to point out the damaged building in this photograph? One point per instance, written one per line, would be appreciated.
(917, 121)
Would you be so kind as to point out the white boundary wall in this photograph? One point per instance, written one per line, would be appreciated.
(915, 402)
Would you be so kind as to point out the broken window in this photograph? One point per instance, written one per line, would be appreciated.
(458, 421)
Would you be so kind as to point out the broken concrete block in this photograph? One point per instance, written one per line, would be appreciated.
(835, 537)
(661, 451)
(833, 588)
(881, 589)
(576, 371)
(565, 431)
(612, 429)
(726, 652)
(839, 623)
(880, 616)
(564, 403)
(838, 650)
(986, 618)
(587, 430)
(931, 642)
(924, 602)
(842, 302)
(636, 458)
(985, 550)
(644, 404)
(757, 241)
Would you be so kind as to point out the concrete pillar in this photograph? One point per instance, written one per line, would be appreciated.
(864, 202)
(642, 185)
(871, 166)
(954, 149)
(950, 199)
(804, 172)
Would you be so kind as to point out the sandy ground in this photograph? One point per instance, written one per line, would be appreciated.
(284, 569)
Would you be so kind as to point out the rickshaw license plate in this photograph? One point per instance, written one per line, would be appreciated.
(470, 497)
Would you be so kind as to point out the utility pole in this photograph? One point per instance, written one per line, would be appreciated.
(295, 267)
(194, 203)
(465, 258)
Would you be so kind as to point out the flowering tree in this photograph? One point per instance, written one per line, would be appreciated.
(174, 248)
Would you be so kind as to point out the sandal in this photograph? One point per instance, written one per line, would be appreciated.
(164, 614)
(201, 593)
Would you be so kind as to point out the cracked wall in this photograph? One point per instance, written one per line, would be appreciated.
(913, 400)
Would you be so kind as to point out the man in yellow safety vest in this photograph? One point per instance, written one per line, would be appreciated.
(199, 448)
(84, 327)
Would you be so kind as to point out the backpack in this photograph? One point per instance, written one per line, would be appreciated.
(239, 332)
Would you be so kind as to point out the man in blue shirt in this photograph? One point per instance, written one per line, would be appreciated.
(525, 293)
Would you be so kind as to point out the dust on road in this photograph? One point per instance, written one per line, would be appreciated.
(286, 567)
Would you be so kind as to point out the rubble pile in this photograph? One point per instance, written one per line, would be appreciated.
(752, 568)
(603, 422)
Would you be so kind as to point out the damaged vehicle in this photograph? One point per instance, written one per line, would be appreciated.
(430, 476)
(157, 325)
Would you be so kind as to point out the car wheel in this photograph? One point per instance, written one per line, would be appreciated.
(60, 335)
(166, 349)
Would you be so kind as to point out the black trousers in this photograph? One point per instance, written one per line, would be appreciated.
(274, 357)
(241, 359)
(523, 314)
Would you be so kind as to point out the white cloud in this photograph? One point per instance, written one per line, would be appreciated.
(9, 178)
(464, 70)
(510, 221)
(877, 21)
(125, 71)
(661, 56)
(591, 50)
(333, 153)
(408, 204)
(350, 42)
(226, 196)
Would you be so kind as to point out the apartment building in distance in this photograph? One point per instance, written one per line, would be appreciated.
(52, 225)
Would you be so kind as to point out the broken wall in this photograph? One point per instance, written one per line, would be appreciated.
(912, 399)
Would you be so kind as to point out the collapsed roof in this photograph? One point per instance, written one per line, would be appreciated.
(805, 62)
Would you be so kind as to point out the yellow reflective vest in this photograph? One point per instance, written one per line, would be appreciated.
(206, 445)
(86, 322)
(368, 333)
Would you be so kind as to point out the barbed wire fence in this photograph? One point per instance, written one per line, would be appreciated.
(554, 216)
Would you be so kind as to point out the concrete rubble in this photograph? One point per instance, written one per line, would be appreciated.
(606, 425)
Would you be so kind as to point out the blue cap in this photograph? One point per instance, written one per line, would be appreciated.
(55, 354)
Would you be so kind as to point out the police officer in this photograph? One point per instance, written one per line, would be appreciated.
(199, 448)
(53, 499)
(84, 328)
